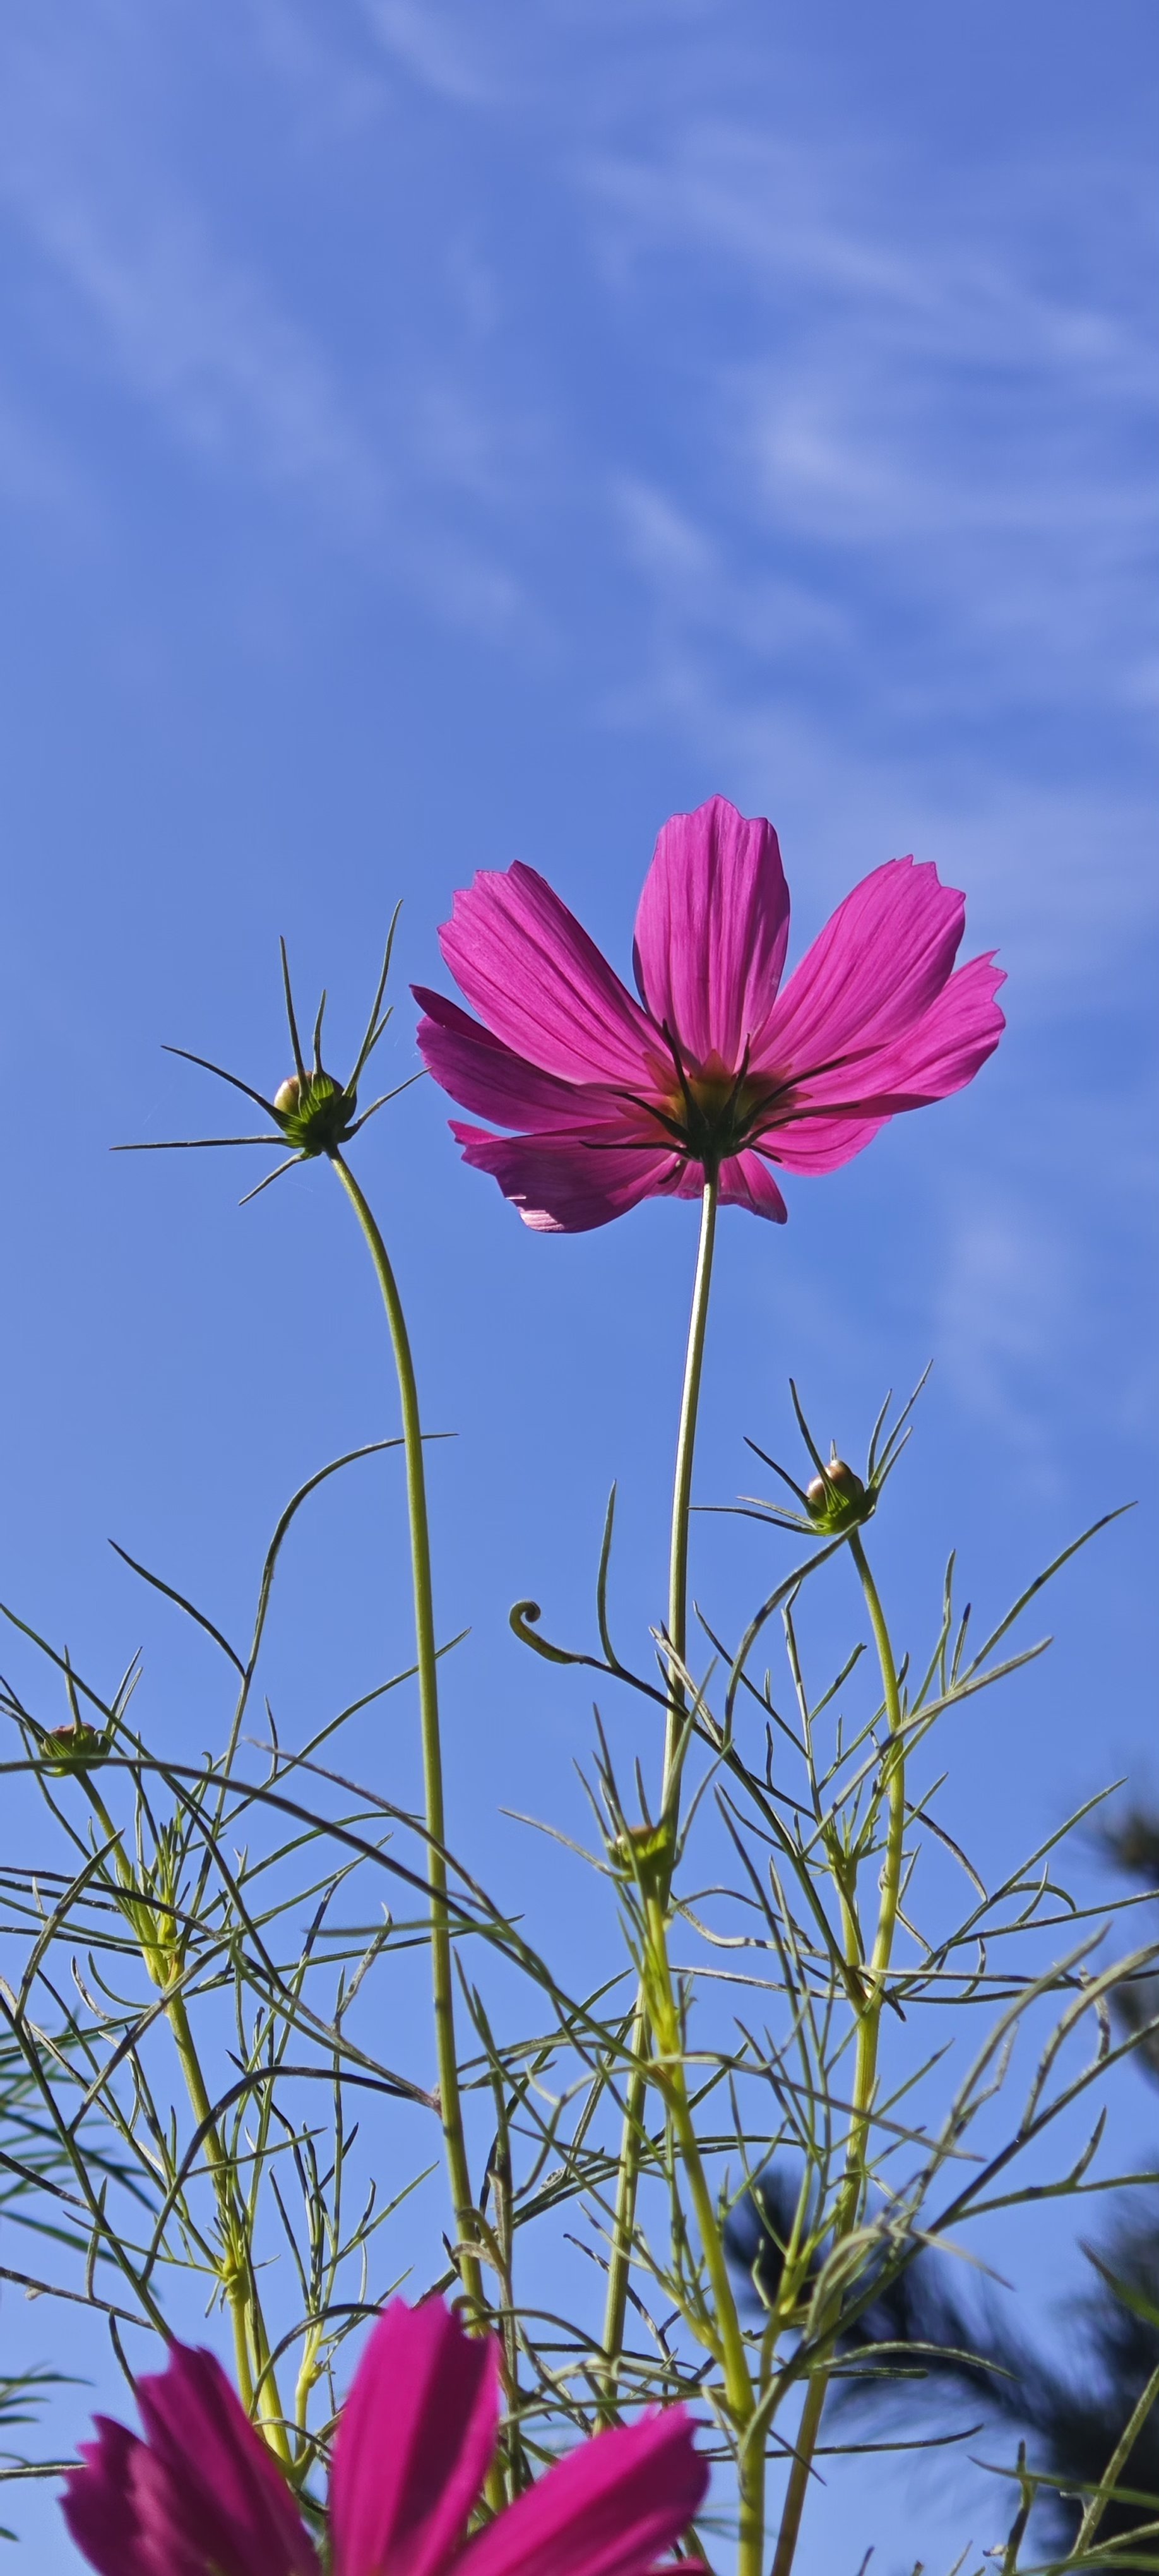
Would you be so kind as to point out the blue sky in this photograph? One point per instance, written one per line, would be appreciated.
(437, 434)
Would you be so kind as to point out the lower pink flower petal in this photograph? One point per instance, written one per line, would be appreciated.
(99, 2506)
(541, 984)
(820, 1144)
(746, 1181)
(611, 2508)
(413, 2445)
(880, 961)
(486, 1077)
(200, 2496)
(712, 929)
(568, 1184)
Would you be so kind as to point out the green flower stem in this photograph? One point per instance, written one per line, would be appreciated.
(257, 2385)
(682, 1486)
(250, 2338)
(632, 2140)
(450, 2101)
(721, 2331)
(851, 2197)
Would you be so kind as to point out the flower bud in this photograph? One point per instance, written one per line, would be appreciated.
(837, 1500)
(314, 1113)
(68, 1748)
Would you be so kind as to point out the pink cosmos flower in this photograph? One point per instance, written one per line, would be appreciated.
(201, 2495)
(714, 1069)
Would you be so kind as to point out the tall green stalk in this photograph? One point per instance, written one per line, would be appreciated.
(257, 2381)
(851, 2198)
(450, 2099)
(628, 2173)
(720, 2328)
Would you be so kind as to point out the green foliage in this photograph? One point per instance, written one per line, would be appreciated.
(202, 1958)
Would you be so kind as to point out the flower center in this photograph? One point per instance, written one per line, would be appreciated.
(713, 1113)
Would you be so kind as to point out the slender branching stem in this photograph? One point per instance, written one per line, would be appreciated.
(628, 2172)
(257, 2382)
(723, 2334)
(851, 2197)
(450, 2099)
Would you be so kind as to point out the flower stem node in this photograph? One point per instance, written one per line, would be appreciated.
(644, 1853)
(837, 1499)
(316, 1115)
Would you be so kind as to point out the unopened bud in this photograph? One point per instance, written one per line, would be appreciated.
(315, 1114)
(838, 1499)
(69, 1747)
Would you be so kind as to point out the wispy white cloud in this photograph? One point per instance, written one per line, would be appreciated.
(157, 292)
(439, 47)
(173, 311)
(923, 412)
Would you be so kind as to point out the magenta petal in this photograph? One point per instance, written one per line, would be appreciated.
(99, 2506)
(413, 2445)
(610, 2509)
(712, 929)
(938, 1054)
(820, 1144)
(568, 1184)
(880, 961)
(200, 2496)
(201, 2438)
(541, 984)
(746, 1181)
(485, 1076)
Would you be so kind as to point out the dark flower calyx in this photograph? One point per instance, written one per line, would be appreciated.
(314, 1113)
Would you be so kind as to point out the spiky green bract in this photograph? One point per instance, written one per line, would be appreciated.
(317, 1115)
(836, 1499)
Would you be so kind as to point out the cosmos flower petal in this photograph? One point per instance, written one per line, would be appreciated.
(937, 1054)
(610, 2509)
(568, 1184)
(711, 930)
(541, 984)
(486, 1077)
(198, 2430)
(879, 963)
(820, 1144)
(98, 2503)
(414, 2443)
(200, 2496)
(746, 1181)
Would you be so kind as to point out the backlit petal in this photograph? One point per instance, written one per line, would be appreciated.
(200, 2496)
(486, 1077)
(939, 1052)
(610, 2509)
(541, 984)
(568, 1184)
(98, 2503)
(819, 1144)
(239, 2503)
(746, 1181)
(413, 2445)
(712, 929)
(879, 963)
